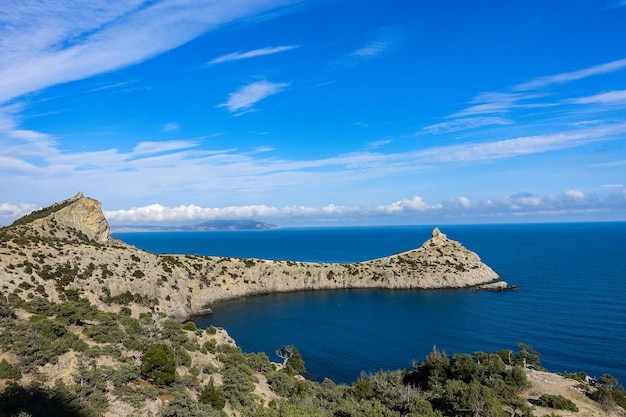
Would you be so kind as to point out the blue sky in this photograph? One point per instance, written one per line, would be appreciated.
(316, 112)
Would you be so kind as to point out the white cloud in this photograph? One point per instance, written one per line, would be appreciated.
(369, 51)
(185, 213)
(414, 204)
(523, 200)
(575, 194)
(566, 77)
(386, 38)
(530, 96)
(235, 56)
(247, 95)
(171, 127)
(465, 202)
(609, 97)
(499, 103)
(521, 204)
(379, 144)
(77, 41)
(15, 211)
(465, 123)
(508, 148)
(143, 148)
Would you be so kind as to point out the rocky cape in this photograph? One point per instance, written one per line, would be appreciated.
(67, 247)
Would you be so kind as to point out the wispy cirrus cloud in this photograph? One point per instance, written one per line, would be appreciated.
(248, 95)
(144, 148)
(539, 97)
(524, 145)
(384, 41)
(464, 124)
(371, 50)
(73, 43)
(566, 77)
(501, 102)
(170, 127)
(157, 164)
(609, 97)
(236, 56)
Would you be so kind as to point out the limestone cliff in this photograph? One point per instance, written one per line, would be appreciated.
(78, 213)
(46, 252)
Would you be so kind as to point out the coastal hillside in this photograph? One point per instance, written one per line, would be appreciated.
(70, 241)
(90, 326)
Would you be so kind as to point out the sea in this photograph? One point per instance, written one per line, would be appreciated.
(570, 304)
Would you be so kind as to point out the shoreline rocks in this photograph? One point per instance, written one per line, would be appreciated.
(498, 286)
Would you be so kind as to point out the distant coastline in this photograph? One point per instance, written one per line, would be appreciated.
(211, 225)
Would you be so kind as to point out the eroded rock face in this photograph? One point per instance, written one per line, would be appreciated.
(82, 214)
(85, 214)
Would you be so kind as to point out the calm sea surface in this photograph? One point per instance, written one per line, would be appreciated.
(570, 307)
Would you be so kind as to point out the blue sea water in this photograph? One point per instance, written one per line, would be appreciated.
(570, 305)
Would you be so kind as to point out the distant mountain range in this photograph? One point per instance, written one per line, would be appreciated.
(204, 226)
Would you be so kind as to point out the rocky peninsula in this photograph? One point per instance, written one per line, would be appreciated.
(35, 250)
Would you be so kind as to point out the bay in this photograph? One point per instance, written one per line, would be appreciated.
(570, 305)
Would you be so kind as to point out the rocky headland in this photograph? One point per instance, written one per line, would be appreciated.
(35, 250)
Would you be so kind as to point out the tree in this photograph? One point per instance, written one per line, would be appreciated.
(158, 364)
(431, 373)
(529, 355)
(610, 381)
(285, 353)
(292, 360)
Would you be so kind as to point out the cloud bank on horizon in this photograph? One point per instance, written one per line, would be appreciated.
(393, 113)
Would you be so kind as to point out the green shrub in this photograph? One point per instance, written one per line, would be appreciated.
(557, 401)
(182, 405)
(9, 371)
(237, 378)
(158, 364)
(281, 383)
(182, 357)
(210, 346)
(210, 394)
(190, 326)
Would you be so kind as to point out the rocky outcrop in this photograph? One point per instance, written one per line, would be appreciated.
(79, 213)
(110, 273)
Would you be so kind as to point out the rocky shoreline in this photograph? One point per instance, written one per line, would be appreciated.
(181, 286)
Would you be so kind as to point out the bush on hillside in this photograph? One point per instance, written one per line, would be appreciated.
(158, 364)
(557, 401)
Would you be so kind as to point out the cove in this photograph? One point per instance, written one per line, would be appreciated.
(570, 305)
